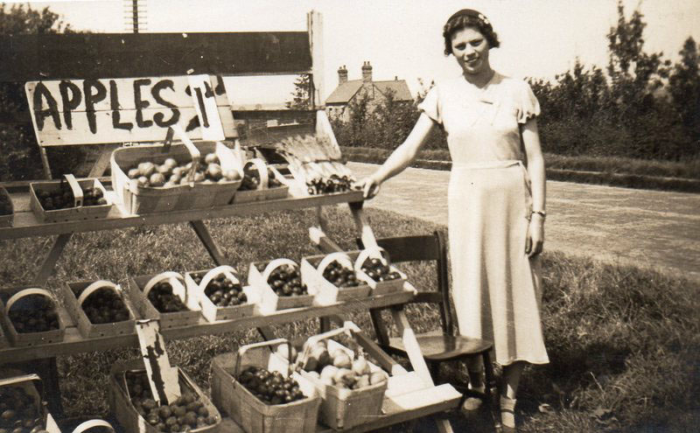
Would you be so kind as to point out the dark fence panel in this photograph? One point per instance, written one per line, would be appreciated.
(56, 56)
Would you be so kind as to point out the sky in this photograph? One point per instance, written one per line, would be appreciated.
(403, 38)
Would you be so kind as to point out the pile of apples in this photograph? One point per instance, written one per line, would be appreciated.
(336, 368)
(5, 204)
(251, 178)
(378, 271)
(172, 173)
(34, 313)
(186, 413)
(270, 387)
(64, 199)
(164, 300)
(18, 412)
(340, 276)
(222, 292)
(285, 280)
(105, 306)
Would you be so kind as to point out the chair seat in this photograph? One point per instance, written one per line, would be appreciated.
(436, 346)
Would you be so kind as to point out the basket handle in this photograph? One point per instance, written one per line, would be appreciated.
(260, 165)
(75, 189)
(228, 271)
(348, 328)
(27, 292)
(194, 152)
(339, 257)
(171, 276)
(96, 286)
(87, 425)
(374, 252)
(274, 264)
(243, 349)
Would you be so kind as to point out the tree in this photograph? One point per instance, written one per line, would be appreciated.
(301, 96)
(684, 87)
(19, 154)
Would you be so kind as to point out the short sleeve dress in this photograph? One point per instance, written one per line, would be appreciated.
(496, 287)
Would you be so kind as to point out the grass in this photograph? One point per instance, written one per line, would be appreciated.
(624, 343)
(615, 171)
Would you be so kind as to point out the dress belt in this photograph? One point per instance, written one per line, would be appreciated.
(479, 165)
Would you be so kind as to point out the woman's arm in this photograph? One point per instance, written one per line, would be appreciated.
(401, 157)
(536, 170)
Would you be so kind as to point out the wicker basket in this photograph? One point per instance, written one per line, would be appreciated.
(76, 213)
(270, 301)
(324, 291)
(73, 303)
(126, 414)
(144, 200)
(138, 292)
(6, 219)
(263, 191)
(345, 408)
(253, 415)
(32, 385)
(196, 293)
(8, 297)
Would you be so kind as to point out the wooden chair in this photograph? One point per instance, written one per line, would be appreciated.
(442, 345)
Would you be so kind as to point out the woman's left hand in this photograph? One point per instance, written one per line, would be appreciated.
(535, 236)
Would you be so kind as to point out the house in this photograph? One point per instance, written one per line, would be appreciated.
(349, 91)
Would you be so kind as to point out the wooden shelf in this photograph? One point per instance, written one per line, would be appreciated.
(74, 343)
(25, 223)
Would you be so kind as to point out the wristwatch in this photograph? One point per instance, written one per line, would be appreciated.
(541, 213)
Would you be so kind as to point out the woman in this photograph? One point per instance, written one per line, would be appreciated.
(496, 200)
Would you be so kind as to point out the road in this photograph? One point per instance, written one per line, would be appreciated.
(655, 229)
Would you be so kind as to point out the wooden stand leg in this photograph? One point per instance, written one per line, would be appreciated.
(51, 259)
(206, 239)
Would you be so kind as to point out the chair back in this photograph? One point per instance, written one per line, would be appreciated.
(424, 248)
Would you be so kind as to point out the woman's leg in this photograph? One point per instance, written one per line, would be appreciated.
(509, 389)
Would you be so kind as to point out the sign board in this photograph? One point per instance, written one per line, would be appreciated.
(70, 112)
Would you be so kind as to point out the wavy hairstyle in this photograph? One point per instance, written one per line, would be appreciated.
(468, 18)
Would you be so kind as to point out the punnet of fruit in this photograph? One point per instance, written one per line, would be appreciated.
(280, 283)
(185, 176)
(352, 387)
(164, 297)
(333, 278)
(220, 293)
(257, 387)
(99, 308)
(136, 408)
(31, 315)
(258, 175)
(383, 276)
(21, 408)
(69, 199)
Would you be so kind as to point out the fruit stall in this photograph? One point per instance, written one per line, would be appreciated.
(183, 162)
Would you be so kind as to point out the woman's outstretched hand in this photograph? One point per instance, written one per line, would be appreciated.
(535, 236)
(370, 187)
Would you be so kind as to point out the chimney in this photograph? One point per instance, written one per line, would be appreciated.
(367, 72)
(342, 75)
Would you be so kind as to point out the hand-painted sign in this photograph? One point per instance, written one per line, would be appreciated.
(66, 112)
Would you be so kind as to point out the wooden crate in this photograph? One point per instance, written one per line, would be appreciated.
(126, 414)
(148, 311)
(346, 408)
(381, 287)
(139, 200)
(253, 415)
(325, 292)
(263, 192)
(85, 326)
(270, 301)
(69, 214)
(6, 219)
(18, 339)
(196, 294)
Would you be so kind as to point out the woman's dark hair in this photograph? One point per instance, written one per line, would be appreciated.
(469, 18)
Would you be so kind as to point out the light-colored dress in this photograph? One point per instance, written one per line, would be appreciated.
(496, 287)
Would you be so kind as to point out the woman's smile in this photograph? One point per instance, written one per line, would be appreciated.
(471, 49)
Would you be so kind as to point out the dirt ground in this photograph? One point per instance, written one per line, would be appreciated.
(646, 228)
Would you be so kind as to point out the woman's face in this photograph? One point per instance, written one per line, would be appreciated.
(471, 49)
